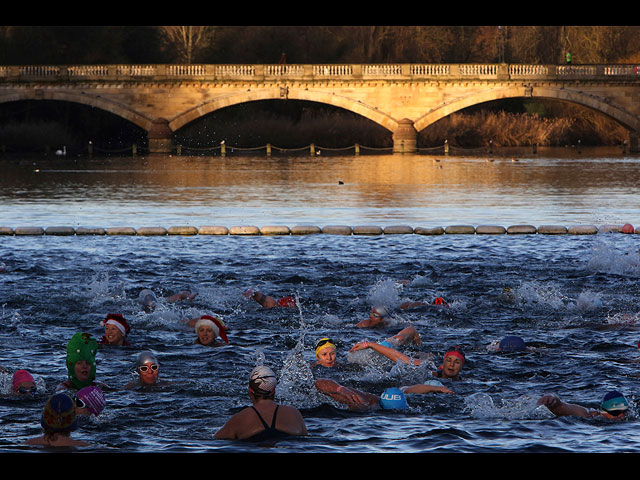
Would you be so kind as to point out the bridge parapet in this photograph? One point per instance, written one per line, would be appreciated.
(258, 72)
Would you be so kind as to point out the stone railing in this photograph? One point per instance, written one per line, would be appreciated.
(150, 72)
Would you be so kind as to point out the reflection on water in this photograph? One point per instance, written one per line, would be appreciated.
(411, 189)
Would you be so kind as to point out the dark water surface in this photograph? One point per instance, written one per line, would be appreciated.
(573, 297)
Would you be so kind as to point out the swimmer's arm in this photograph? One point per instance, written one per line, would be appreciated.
(421, 388)
(561, 409)
(390, 353)
(338, 392)
(410, 304)
(184, 295)
(265, 300)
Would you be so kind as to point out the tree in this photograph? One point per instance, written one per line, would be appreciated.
(187, 41)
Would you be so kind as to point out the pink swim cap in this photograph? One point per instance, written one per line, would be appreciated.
(21, 376)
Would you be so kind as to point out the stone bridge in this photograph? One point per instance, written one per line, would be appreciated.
(403, 98)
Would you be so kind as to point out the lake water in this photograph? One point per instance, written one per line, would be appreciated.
(573, 297)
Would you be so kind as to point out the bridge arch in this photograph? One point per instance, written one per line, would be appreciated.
(285, 93)
(71, 96)
(602, 105)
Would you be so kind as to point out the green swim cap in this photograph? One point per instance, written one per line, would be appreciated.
(82, 346)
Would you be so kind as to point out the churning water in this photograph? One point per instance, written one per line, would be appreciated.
(573, 298)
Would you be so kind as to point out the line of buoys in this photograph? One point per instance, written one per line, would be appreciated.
(251, 230)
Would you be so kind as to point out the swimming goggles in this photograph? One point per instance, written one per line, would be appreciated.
(79, 403)
(323, 341)
(26, 391)
(145, 368)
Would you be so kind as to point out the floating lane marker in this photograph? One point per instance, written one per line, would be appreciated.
(360, 230)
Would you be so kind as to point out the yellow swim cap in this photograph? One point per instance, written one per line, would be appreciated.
(324, 343)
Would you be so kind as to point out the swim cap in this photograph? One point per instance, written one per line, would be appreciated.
(93, 398)
(382, 310)
(117, 320)
(287, 301)
(439, 301)
(146, 357)
(263, 381)
(324, 343)
(614, 403)
(21, 376)
(82, 346)
(59, 414)
(456, 352)
(393, 399)
(215, 323)
(512, 343)
(147, 298)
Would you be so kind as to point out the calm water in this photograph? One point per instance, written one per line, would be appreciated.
(574, 297)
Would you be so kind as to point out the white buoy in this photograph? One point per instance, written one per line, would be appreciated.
(62, 152)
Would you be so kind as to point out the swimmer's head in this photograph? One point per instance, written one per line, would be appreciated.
(512, 343)
(379, 313)
(215, 324)
(614, 403)
(119, 322)
(453, 361)
(145, 358)
(263, 382)
(81, 348)
(326, 352)
(147, 368)
(90, 398)
(59, 414)
(324, 343)
(23, 382)
(147, 299)
(393, 399)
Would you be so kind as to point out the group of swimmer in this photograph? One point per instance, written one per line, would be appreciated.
(82, 395)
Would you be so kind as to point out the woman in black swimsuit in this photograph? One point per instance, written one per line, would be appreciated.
(265, 418)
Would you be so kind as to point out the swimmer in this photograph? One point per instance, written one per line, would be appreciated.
(379, 315)
(23, 383)
(89, 401)
(265, 419)
(208, 329)
(148, 299)
(270, 302)
(614, 406)
(326, 352)
(116, 330)
(81, 363)
(148, 370)
(58, 421)
(452, 363)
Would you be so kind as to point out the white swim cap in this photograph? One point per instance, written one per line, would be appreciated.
(263, 381)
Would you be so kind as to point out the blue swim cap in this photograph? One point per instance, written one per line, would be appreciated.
(512, 343)
(393, 399)
(614, 403)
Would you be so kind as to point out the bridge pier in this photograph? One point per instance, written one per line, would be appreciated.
(160, 137)
(634, 142)
(405, 138)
